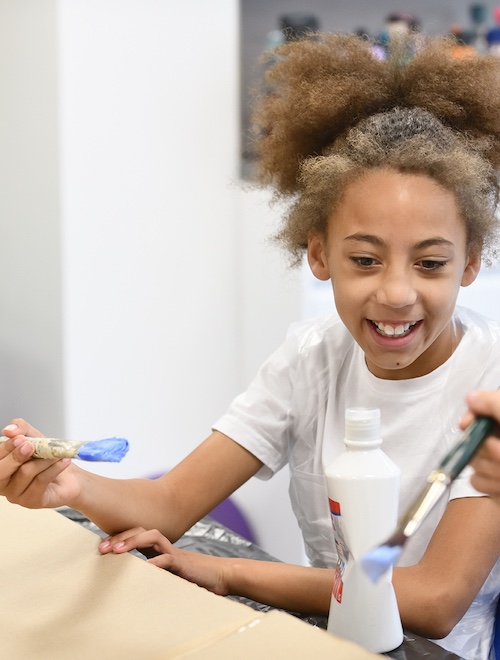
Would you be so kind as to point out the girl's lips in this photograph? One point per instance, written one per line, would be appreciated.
(393, 341)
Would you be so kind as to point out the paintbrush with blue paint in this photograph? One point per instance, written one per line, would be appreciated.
(109, 449)
(380, 559)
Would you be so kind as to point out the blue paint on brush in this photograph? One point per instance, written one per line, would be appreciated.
(110, 449)
(378, 561)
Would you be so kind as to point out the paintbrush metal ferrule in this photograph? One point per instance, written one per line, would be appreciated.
(437, 484)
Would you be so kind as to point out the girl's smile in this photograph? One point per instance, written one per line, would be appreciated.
(396, 253)
(396, 333)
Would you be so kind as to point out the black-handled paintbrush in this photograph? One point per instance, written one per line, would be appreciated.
(378, 560)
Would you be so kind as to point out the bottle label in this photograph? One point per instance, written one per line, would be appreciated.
(341, 547)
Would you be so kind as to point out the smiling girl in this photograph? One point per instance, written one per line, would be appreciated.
(390, 169)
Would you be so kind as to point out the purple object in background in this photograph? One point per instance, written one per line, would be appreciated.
(229, 515)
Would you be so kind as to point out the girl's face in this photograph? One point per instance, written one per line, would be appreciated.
(396, 255)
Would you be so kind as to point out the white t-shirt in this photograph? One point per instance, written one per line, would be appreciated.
(293, 412)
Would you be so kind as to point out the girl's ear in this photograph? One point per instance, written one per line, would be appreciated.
(472, 268)
(316, 257)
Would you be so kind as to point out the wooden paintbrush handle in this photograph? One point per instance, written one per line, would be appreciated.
(53, 447)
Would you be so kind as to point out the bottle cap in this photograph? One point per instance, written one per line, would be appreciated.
(362, 427)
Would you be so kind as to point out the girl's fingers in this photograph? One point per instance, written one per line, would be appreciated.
(110, 542)
(29, 480)
(134, 539)
(17, 471)
(485, 484)
(17, 449)
(16, 452)
(467, 419)
(20, 426)
(485, 402)
(486, 466)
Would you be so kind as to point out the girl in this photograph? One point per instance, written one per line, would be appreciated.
(390, 169)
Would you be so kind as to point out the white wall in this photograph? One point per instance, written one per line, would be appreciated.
(483, 294)
(148, 151)
(270, 301)
(138, 294)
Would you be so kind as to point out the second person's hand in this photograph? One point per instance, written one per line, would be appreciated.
(486, 463)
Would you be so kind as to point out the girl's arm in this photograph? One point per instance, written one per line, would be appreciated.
(432, 595)
(172, 503)
(178, 499)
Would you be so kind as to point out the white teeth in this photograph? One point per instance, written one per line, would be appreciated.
(391, 331)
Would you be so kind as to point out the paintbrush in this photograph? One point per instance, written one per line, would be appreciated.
(108, 449)
(378, 560)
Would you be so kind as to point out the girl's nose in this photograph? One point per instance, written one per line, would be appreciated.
(396, 290)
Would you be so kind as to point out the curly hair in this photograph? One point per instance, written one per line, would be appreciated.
(335, 111)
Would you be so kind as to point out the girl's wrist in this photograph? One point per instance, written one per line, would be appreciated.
(79, 500)
(235, 577)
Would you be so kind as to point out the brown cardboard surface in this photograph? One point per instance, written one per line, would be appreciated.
(278, 636)
(60, 599)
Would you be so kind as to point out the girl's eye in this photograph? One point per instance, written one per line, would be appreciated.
(430, 264)
(364, 262)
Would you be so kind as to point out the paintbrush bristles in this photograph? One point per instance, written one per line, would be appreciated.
(379, 560)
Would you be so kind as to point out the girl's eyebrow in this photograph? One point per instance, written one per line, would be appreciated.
(366, 238)
(431, 242)
(376, 240)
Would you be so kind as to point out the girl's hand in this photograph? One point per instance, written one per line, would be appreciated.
(204, 570)
(486, 463)
(33, 483)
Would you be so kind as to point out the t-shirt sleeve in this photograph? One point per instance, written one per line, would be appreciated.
(261, 419)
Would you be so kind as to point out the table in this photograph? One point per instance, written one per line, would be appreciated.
(211, 538)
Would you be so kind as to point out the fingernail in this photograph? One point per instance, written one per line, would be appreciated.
(10, 427)
(118, 546)
(26, 448)
(19, 441)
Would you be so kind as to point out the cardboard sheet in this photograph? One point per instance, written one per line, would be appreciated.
(61, 599)
(279, 636)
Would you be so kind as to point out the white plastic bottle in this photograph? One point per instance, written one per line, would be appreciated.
(363, 490)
